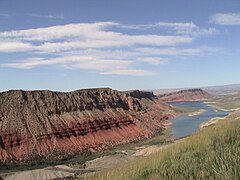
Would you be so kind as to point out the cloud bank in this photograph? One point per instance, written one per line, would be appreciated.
(102, 47)
(226, 19)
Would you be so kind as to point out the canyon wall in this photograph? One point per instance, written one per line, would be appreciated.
(50, 125)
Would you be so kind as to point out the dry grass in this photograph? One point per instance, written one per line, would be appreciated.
(213, 153)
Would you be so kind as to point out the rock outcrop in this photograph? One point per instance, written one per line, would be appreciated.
(185, 95)
(46, 125)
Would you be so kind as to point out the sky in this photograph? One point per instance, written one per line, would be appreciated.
(64, 45)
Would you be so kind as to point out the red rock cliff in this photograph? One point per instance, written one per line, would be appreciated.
(55, 125)
(185, 95)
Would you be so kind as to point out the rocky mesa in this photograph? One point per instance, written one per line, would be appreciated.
(185, 95)
(46, 125)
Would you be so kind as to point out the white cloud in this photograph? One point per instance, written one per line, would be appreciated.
(60, 32)
(121, 41)
(36, 61)
(101, 47)
(151, 55)
(101, 66)
(73, 45)
(97, 31)
(131, 72)
(226, 19)
(198, 51)
(47, 16)
(153, 60)
(85, 35)
(179, 28)
(73, 62)
(15, 46)
(118, 53)
(175, 26)
(189, 29)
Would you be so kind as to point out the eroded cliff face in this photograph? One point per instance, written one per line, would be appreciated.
(56, 125)
(185, 95)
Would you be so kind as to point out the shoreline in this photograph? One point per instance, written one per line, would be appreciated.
(219, 108)
(215, 120)
(211, 122)
(197, 112)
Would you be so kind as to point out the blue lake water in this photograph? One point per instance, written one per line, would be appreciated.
(185, 125)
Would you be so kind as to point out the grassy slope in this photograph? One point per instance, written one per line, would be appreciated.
(213, 153)
(228, 102)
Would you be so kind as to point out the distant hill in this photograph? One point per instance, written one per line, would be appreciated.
(223, 90)
(185, 95)
(228, 102)
(214, 90)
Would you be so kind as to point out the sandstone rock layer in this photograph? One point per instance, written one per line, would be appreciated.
(46, 125)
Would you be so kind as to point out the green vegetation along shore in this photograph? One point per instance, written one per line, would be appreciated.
(212, 153)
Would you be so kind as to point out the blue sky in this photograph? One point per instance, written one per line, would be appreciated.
(65, 45)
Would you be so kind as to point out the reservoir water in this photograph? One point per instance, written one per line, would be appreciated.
(185, 125)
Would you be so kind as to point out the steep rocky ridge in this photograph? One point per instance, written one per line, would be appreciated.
(185, 95)
(50, 125)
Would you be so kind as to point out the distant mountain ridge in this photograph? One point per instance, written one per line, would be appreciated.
(214, 90)
(185, 95)
(223, 90)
